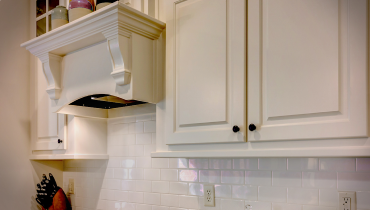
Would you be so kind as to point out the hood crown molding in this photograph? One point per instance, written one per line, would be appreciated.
(115, 23)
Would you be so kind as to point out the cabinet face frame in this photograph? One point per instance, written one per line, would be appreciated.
(207, 128)
(350, 118)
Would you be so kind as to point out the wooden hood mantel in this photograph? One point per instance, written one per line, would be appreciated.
(116, 23)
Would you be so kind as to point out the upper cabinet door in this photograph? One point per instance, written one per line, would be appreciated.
(51, 127)
(307, 69)
(205, 71)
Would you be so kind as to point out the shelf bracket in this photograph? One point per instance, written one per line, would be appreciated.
(119, 48)
(51, 65)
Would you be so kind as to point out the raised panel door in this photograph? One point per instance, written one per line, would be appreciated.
(50, 126)
(307, 69)
(205, 75)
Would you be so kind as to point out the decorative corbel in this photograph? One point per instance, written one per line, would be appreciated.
(51, 66)
(119, 47)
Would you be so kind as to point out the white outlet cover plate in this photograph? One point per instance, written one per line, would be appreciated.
(347, 194)
(209, 195)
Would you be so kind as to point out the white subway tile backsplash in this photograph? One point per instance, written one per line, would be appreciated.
(363, 200)
(128, 163)
(144, 138)
(227, 204)
(120, 173)
(337, 164)
(258, 205)
(121, 196)
(136, 173)
(169, 200)
(180, 188)
(188, 175)
(127, 206)
(136, 197)
(190, 202)
(198, 163)
(258, 178)
(245, 192)
(160, 208)
(220, 163)
(285, 206)
(131, 179)
(272, 194)
(303, 196)
(152, 198)
(354, 181)
(113, 184)
(160, 162)
(152, 174)
(328, 197)
(149, 127)
(129, 139)
(145, 117)
(160, 186)
(137, 127)
(286, 178)
(363, 164)
(248, 164)
(143, 186)
(232, 177)
(178, 163)
(143, 207)
(319, 179)
(318, 208)
(109, 174)
(143, 162)
(210, 176)
(149, 149)
(272, 164)
(196, 189)
(303, 164)
(169, 174)
(222, 191)
(128, 185)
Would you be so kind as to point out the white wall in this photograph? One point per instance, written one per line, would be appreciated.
(132, 180)
(16, 182)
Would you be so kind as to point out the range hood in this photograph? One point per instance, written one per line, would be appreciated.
(113, 57)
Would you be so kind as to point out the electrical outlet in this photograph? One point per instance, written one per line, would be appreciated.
(347, 201)
(209, 195)
(71, 186)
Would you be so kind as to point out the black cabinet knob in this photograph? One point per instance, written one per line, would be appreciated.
(60, 141)
(252, 127)
(236, 129)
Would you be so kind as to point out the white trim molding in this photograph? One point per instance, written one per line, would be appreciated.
(115, 23)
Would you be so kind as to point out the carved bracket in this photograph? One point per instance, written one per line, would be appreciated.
(51, 65)
(119, 47)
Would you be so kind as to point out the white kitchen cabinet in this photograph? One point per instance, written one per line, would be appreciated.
(51, 127)
(300, 75)
(205, 76)
(307, 69)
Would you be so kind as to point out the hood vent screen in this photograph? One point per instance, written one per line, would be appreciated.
(104, 101)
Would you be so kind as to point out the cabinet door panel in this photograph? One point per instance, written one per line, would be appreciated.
(50, 126)
(205, 71)
(307, 69)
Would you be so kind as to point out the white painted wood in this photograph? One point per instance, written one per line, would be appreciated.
(68, 157)
(205, 75)
(307, 69)
(50, 126)
(321, 152)
(350, 86)
(115, 23)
